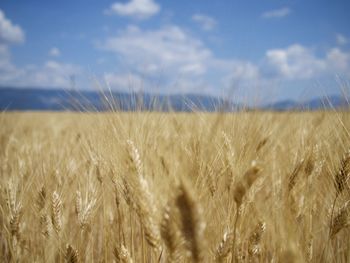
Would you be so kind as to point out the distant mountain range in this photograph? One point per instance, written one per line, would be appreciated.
(12, 99)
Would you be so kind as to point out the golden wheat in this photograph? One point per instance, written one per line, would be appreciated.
(175, 187)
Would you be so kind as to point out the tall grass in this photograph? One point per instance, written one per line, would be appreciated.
(175, 187)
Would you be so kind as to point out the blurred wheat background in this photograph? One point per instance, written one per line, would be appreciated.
(175, 187)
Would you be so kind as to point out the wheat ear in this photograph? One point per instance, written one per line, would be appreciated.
(72, 255)
(41, 198)
(240, 190)
(224, 247)
(56, 212)
(341, 220)
(192, 224)
(145, 202)
(170, 234)
(255, 238)
(122, 255)
(341, 179)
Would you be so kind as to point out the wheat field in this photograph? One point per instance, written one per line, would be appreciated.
(175, 187)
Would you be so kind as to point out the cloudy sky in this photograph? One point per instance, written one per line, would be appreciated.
(263, 50)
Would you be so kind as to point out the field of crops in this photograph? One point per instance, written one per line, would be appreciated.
(175, 187)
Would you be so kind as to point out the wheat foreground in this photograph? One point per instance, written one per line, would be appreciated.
(166, 187)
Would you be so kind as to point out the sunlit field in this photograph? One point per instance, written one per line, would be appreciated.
(175, 187)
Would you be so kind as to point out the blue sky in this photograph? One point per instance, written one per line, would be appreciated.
(261, 50)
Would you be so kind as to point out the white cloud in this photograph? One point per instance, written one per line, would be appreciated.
(125, 81)
(293, 62)
(51, 74)
(140, 9)
(175, 56)
(245, 70)
(7, 70)
(193, 69)
(183, 62)
(136, 82)
(10, 33)
(187, 85)
(295, 65)
(206, 22)
(169, 48)
(165, 57)
(277, 13)
(54, 52)
(3, 50)
(238, 76)
(5, 63)
(341, 39)
(338, 61)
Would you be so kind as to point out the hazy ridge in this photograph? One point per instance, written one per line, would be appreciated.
(59, 99)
